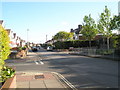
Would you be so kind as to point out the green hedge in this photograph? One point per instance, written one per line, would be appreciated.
(4, 52)
(74, 43)
(4, 46)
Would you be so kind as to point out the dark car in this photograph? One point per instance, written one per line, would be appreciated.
(34, 49)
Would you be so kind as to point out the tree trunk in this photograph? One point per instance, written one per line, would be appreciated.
(108, 43)
(104, 46)
(90, 43)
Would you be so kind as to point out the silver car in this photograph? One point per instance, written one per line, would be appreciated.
(49, 48)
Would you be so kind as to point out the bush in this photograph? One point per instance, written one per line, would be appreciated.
(105, 51)
(4, 46)
(4, 49)
(7, 72)
(74, 43)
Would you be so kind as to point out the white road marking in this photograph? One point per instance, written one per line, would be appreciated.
(36, 62)
(65, 80)
(41, 62)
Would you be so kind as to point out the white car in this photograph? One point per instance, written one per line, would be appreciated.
(49, 48)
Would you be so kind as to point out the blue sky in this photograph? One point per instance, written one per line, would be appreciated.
(48, 18)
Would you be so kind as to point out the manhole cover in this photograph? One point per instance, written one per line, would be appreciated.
(39, 76)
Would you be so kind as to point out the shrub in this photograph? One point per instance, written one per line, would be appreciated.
(7, 72)
(4, 48)
(74, 43)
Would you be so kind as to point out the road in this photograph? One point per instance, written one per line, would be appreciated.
(81, 71)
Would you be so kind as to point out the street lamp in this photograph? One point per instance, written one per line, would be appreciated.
(27, 37)
(27, 34)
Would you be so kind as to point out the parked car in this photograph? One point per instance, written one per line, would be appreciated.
(49, 48)
(34, 49)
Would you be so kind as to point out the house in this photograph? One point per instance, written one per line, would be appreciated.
(15, 41)
(50, 42)
(12, 37)
(23, 43)
(76, 32)
(18, 41)
(78, 36)
(1, 22)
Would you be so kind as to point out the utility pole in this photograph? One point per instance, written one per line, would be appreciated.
(27, 34)
(27, 38)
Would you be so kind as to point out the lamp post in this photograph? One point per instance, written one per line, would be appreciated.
(27, 37)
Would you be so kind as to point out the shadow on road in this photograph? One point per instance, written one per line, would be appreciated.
(84, 72)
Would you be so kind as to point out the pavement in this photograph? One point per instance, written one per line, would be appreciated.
(40, 80)
(110, 57)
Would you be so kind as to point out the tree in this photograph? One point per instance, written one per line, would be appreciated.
(104, 24)
(115, 22)
(89, 30)
(4, 46)
(62, 36)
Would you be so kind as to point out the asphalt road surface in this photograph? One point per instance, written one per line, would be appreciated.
(81, 71)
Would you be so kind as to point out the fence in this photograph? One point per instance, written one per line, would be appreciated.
(103, 53)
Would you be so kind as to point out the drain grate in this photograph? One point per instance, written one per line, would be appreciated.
(39, 76)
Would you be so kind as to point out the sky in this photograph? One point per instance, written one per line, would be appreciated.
(32, 20)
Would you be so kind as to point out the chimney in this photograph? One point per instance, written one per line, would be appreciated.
(14, 34)
(71, 30)
(17, 37)
(79, 26)
(1, 21)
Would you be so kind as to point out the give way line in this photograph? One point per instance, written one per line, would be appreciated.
(38, 62)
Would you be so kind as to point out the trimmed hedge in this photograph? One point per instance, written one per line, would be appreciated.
(4, 46)
(4, 49)
(74, 43)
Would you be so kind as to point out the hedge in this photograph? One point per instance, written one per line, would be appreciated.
(74, 43)
(4, 46)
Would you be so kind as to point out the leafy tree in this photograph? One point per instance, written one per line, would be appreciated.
(4, 46)
(89, 30)
(104, 24)
(115, 22)
(62, 36)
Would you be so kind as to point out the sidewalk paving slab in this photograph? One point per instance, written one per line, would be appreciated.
(37, 84)
(28, 80)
